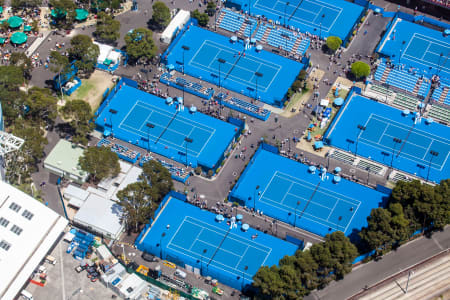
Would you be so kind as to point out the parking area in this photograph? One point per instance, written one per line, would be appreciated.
(63, 282)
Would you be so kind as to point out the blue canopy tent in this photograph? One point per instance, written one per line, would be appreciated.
(245, 227)
(219, 218)
(338, 101)
(337, 179)
(169, 100)
(312, 169)
(318, 145)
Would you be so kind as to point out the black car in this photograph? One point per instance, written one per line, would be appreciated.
(148, 257)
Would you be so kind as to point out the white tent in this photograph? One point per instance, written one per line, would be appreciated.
(105, 50)
(175, 25)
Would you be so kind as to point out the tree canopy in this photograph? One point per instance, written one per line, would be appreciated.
(161, 15)
(305, 271)
(100, 163)
(64, 6)
(79, 114)
(19, 59)
(211, 8)
(139, 200)
(107, 29)
(360, 69)
(16, 4)
(140, 45)
(85, 52)
(41, 106)
(202, 18)
(333, 43)
(59, 64)
(413, 206)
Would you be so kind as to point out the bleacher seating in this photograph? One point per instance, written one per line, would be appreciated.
(277, 38)
(234, 21)
(442, 94)
(403, 79)
(189, 86)
(440, 113)
(342, 156)
(243, 106)
(406, 101)
(122, 151)
(366, 165)
(177, 173)
(400, 177)
(381, 90)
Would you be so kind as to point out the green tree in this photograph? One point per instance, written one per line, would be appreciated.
(41, 105)
(157, 177)
(19, 59)
(211, 8)
(64, 6)
(137, 201)
(17, 4)
(11, 77)
(360, 69)
(21, 164)
(79, 114)
(85, 52)
(59, 64)
(161, 15)
(100, 163)
(107, 29)
(140, 45)
(268, 283)
(202, 18)
(333, 43)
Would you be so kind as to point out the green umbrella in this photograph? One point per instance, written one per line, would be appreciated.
(18, 38)
(82, 14)
(2, 41)
(1, 9)
(58, 13)
(15, 22)
(26, 28)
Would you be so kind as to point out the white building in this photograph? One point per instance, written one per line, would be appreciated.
(28, 230)
(177, 23)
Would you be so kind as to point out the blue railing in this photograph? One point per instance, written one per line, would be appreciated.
(122, 151)
(188, 86)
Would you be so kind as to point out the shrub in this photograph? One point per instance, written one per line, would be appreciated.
(198, 170)
(333, 43)
(360, 69)
(210, 173)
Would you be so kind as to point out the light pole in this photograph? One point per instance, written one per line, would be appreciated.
(254, 198)
(350, 142)
(295, 215)
(243, 277)
(149, 126)
(285, 7)
(187, 140)
(257, 74)
(185, 48)
(361, 129)
(113, 112)
(221, 61)
(396, 141)
(321, 20)
(160, 244)
(201, 261)
(439, 63)
(433, 154)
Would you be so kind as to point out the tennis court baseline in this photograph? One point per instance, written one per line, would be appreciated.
(224, 250)
(169, 129)
(317, 204)
(428, 51)
(237, 68)
(416, 144)
(305, 12)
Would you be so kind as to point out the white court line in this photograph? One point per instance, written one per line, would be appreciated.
(386, 126)
(427, 39)
(196, 238)
(331, 212)
(351, 219)
(239, 261)
(406, 129)
(233, 78)
(167, 142)
(303, 21)
(307, 200)
(196, 222)
(146, 119)
(282, 200)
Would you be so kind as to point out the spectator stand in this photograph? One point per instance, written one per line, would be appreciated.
(441, 93)
(122, 151)
(178, 173)
(236, 23)
(243, 106)
(187, 85)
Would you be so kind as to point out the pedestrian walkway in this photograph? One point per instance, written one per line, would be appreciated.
(37, 42)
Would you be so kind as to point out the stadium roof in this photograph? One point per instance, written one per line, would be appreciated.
(28, 231)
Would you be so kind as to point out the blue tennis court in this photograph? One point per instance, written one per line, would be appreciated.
(146, 121)
(417, 46)
(391, 138)
(322, 18)
(192, 238)
(214, 58)
(285, 190)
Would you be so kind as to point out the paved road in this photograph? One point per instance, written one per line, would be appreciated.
(393, 262)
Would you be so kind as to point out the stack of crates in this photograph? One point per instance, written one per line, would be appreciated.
(84, 241)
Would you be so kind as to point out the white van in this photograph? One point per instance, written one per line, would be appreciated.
(180, 274)
(26, 295)
(50, 259)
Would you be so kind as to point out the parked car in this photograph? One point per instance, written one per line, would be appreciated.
(81, 268)
(148, 257)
